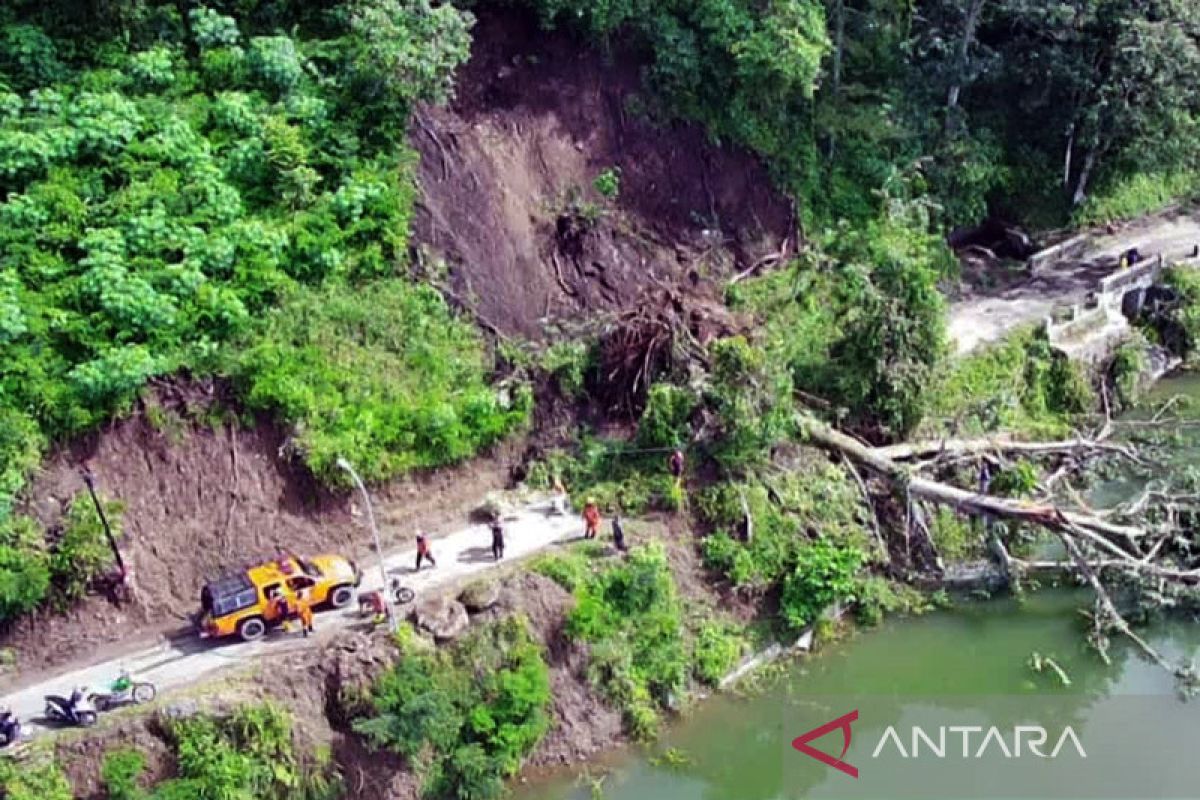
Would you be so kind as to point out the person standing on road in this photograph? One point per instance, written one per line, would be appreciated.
(305, 613)
(560, 496)
(591, 519)
(423, 552)
(497, 540)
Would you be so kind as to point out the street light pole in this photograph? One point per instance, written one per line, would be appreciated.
(387, 597)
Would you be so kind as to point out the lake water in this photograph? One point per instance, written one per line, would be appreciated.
(974, 659)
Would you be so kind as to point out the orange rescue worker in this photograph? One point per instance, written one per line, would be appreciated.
(305, 613)
(591, 519)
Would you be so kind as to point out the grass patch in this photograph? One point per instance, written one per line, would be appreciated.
(1138, 194)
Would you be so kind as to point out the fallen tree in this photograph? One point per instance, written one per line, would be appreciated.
(1095, 544)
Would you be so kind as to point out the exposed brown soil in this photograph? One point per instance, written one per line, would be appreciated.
(506, 176)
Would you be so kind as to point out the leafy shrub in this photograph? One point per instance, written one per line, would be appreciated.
(665, 420)
(82, 551)
(42, 781)
(1126, 368)
(1018, 384)
(248, 754)
(751, 394)
(467, 716)
(631, 616)
(818, 498)
(24, 567)
(120, 773)
(568, 362)
(823, 574)
(716, 649)
(390, 385)
(608, 183)
(618, 476)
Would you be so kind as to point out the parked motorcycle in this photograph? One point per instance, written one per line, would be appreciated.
(124, 691)
(10, 728)
(78, 709)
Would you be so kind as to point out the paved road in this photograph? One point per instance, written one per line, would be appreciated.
(990, 315)
(185, 660)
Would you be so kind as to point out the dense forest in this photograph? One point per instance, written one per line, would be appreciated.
(225, 190)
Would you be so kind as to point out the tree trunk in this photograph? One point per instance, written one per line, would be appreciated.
(1047, 516)
(839, 46)
(968, 447)
(974, 11)
(1085, 176)
(1066, 183)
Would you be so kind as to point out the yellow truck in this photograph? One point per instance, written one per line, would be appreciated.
(244, 603)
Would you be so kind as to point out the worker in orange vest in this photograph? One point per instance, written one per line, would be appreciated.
(591, 519)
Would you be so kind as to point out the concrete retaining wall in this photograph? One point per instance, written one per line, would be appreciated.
(1059, 252)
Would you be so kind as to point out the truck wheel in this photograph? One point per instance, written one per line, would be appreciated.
(251, 630)
(341, 596)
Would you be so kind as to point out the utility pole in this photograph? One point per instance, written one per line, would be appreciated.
(90, 480)
(393, 621)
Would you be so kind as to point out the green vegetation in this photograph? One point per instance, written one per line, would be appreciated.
(646, 646)
(841, 98)
(860, 324)
(816, 499)
(618, 475)
(1181, 330)
(608, 183)
(33, 570)
(398, 383)
(42, 781)
(464, 717)
(247, 755)
(632, 618)
(184, 191)
(1019, 384)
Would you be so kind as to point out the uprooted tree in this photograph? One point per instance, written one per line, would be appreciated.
(1144, 548)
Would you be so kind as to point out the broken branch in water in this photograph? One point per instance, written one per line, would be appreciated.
(1119, 543)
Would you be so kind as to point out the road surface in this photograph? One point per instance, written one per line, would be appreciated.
(185, 660)
(990, 315)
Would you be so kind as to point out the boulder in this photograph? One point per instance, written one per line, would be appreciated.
(480, 596)
(442, 618)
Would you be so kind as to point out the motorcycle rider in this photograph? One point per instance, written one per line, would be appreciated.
(10, 727)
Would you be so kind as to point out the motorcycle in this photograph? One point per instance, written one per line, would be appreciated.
(76, 710)
(124, 691)
(371, 604)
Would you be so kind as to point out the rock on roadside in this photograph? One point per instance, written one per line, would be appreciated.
(480, 596)
(442, 618)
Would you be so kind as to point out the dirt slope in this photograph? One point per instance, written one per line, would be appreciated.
(538, 116)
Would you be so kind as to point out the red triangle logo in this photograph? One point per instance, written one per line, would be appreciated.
(843, 722)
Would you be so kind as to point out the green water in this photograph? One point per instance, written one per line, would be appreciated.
(737, 749)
